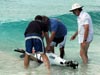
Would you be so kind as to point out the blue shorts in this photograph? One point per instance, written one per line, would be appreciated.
(34, 42)
(59, 41)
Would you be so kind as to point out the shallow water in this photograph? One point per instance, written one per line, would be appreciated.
(15, 16)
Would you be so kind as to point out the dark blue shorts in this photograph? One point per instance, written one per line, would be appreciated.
(34, 42)
(58, 40)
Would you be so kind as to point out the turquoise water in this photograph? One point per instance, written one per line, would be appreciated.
(15, 16)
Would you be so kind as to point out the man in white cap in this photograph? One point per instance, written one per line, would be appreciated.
(84, 32)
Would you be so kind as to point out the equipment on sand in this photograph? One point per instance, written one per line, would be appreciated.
(53, 58)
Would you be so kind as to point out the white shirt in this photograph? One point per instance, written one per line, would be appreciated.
(84, 19)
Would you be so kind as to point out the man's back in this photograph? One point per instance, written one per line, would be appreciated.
(58, 27)
(36, 27)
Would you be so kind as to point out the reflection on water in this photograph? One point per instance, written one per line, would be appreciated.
(12, 65)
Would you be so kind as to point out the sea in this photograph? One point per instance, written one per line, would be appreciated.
(15, 15)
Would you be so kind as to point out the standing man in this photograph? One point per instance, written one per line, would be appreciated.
(34, 40)
(85, 30)
(58, 34)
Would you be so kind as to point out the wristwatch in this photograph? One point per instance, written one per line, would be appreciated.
(85, 40)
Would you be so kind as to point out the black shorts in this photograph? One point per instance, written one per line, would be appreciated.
(58, 40)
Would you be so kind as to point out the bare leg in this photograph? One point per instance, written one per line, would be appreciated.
(84, 53)
(84, 58)
(26, 61)
(62, 52)
(46, 61)
(52, 49)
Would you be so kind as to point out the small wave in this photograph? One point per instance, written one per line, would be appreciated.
(68, 19)
(13, 20)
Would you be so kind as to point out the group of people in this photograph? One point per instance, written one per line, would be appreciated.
(39, 28)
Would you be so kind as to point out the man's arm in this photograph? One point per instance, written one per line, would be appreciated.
(52, 36)
(46, 34)
(50, 40)
(74, 36)
(86, 28)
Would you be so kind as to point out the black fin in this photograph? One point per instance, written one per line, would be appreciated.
(19, 50)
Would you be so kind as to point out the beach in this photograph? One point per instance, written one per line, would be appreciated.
(16, 15)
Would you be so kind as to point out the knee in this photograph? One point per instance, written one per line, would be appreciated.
(81, 53)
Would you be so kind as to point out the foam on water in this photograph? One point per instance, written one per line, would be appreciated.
(23, 9)
(15, 16)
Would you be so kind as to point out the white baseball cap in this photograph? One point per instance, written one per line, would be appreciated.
(75, 6)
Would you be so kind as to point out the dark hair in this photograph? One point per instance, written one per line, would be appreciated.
(38, 17)
(45, 20)
(80, 9)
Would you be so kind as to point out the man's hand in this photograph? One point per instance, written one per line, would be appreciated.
(33, 51)
(48, 49)
(73, 37)
(84, 44)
